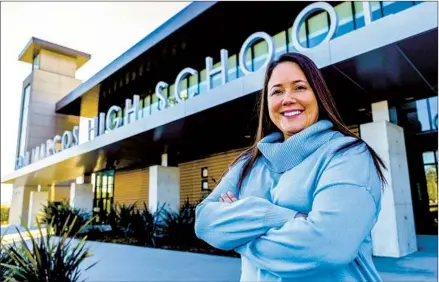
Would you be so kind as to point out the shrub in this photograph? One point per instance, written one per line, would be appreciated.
(179, 227)
(47, 258)
(4, 214)
(61, 214)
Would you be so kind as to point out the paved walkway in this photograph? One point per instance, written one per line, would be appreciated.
(130, 263)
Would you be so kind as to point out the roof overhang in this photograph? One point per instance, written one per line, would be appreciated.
(93, 155)
(35, 45)
(176, 22)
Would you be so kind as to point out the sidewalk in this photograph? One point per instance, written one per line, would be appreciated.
(130, 263)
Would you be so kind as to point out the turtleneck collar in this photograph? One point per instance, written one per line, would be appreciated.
(282, 155)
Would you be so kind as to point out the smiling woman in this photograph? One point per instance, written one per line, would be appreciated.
(284, 204)
(292, 104)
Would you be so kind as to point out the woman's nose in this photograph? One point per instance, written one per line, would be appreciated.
(288, 99)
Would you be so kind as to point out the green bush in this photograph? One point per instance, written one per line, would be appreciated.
(4, 214)
(46, 258)
(60, 214)
(179, 228)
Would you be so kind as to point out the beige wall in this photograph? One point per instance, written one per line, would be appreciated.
(90, 102)
(132, 186)
(47, 89)
(20, 204)
(190, 174)
(56, 63)
(62, 193)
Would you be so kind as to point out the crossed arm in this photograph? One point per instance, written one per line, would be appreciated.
(275, 239)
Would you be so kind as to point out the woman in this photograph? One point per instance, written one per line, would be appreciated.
(301, 202)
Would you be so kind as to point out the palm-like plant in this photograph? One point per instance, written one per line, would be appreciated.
(58, 214)
(145, 226)
(4, 260)
(48, 258)
(179, 228)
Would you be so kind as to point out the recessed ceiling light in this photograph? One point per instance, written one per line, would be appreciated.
(409, 98)
(247, 136)
(361, 110)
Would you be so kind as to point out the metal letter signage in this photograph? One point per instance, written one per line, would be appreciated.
(249, 42)
(304, 15)
(107, 122)
(182, 75)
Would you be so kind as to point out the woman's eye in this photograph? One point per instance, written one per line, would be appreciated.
(300, 87)
(275, 92)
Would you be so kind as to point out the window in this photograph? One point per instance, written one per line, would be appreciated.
(393, 7)
(147, 106)
(359, 14)
(345, 18)
(302, 38)
(432, 104)
(430, 169)
(183, 89)
(233, 68)
(248, 62)
(377, 12)
(216, 78)
(23, 121)
(171, 92)
(103, 187)
(318, 28)
(280, 43)
(193, 85)
(260, 51)
(36, 62)
(421, 115)
(203, 82)
(154, 104)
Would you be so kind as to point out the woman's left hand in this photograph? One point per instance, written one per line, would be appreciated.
(228, 197)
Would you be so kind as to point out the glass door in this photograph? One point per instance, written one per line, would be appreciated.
(103, 195)
(419, 120)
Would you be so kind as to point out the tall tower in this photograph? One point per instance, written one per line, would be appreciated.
(52, 77)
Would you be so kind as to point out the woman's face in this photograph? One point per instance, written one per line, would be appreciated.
(292, 104)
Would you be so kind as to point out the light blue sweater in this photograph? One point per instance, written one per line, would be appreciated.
(340, 193)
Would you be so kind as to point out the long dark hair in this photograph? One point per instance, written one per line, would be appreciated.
(327, 110)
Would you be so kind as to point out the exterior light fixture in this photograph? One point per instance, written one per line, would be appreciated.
(204, 185)
(204, 172)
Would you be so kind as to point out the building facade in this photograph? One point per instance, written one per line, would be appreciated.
(162, 122)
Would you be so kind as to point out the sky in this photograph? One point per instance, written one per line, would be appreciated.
(103, 30)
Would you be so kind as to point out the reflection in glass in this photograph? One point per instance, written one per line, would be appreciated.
(260, 51)
(345, 18)
(428, 157)
(433, 112)
(393, 7)
(302, 38)
(24, 120)
(248, 62)
(280, 44)
(422, 114)
(431, 177)
(318, 27)
(203, 83)
(232, 68)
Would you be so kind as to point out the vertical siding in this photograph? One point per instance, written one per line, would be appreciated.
(132, 186)
(190, 173)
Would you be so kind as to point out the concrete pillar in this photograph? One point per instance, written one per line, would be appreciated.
(380, 111)
(164, 187)
(394, 234)
(58, 193)
(19, 211)
(36, 202)
(81, 196)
